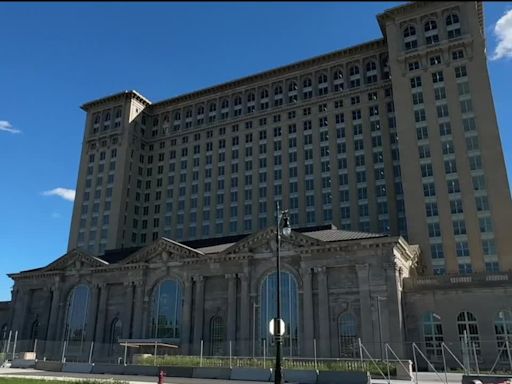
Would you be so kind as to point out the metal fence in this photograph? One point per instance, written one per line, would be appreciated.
(382, 360)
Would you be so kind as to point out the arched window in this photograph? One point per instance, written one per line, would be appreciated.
(107, 116)
(188, 114)
(177, 115)
(289, 310)
(468, 331)
(76, 316)
(432, 334)
(225, 104)
(118, 114)
(323, 86)
(385, 68)
(166, 118)
(155, 122)
(213, 107)
(355, 77)
(238, 101)
(453, 25)
(410, 39)
(338, 80)
(371, 72)
(347, 335)
(264, 94)
(200, 110)
(503, 329)
(116, 331)
(251, 97)
(307, 92)
(431, 35)
(97, 119)
(166, 310)
(278, 90)
(216, 336)
(292, 86)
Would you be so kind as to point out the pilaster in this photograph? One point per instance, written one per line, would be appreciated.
(323, 312)
(307, 312)
(198, 313)
(231, 308)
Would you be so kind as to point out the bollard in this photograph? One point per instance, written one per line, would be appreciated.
(161, 377)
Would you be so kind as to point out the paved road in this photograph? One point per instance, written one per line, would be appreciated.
(423, 377)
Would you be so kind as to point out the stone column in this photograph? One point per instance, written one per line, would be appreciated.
(198, 313)
(324, 345)
(187, 317)
(127, 314)
(307, 313)
(367, 335)
(92, 312)
(54, 313)
(245, 301)
(231, 309)
(137, 311)
(19, 312)
(102, 314)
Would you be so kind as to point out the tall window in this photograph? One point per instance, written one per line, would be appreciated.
(34, 331)
(116, 331)
(166, 310)
(433, 335)
(453, 25)
(410, 40)
(216, 336)
(431, 36)
(76, 317)
(468, 331)
(503, 328)
(347, 335)
(289, 310)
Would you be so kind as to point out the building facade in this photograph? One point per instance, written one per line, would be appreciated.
(220, 293)
(393, 141)
(327, 137)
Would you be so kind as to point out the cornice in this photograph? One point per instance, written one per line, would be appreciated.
(118, 96)
(267, 75)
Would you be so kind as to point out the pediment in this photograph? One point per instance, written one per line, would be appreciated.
(265, 242)
(164, 251)
(75, 260)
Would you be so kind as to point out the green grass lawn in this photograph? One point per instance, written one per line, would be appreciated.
(22, 380)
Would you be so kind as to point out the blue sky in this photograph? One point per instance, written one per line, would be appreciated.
(56, 56)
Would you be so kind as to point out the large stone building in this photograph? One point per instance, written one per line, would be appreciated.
(394, 141)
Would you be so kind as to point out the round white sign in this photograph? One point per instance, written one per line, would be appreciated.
(281, 327)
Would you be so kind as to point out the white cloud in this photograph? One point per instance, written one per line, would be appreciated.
(7, 127)
(503, 32)
(66, 194)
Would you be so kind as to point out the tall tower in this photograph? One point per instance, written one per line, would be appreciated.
(105, 173)
(455, 184)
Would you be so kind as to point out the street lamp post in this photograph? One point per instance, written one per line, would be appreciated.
(278, 378)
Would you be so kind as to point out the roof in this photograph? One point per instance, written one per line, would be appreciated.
(341, 235)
